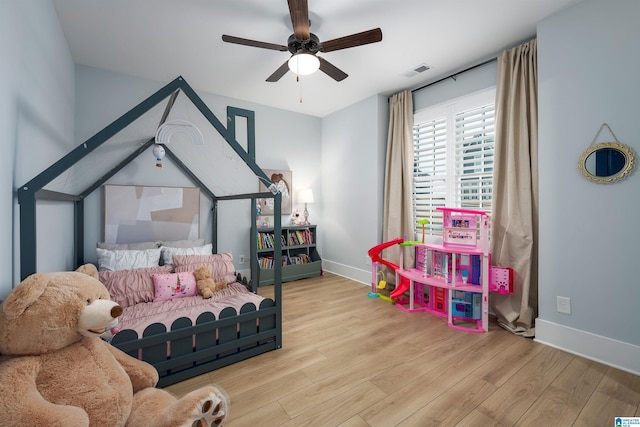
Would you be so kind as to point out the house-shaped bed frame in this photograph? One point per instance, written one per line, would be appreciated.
(210, 343)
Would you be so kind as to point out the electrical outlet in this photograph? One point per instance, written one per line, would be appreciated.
(564, 305)
(242, 259)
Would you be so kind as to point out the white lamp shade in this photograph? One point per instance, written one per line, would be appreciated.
(304, 64)
(305, 196)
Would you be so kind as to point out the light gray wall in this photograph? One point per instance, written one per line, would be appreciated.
(284, 140)
(588, 56)
(474, 80)
(353, 158)
(36, 125)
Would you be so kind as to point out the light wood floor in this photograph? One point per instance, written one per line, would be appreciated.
(349, 360)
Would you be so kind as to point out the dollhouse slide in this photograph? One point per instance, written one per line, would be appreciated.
(374, 253)
(400, 289)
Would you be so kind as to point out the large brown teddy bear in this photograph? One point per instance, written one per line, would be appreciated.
(57, 371)
(205, 284)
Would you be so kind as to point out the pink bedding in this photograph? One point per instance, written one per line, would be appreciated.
(141, 315)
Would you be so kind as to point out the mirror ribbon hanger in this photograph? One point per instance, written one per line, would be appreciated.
(595, 138)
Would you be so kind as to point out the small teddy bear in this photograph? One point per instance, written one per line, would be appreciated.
(206, 285)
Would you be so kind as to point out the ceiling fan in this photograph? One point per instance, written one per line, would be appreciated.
(304, 45)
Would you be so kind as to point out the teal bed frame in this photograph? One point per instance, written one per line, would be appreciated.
(186, 349)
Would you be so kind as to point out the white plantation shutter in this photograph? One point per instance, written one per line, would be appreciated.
(474, 145)
(430, 169)
(453, 158)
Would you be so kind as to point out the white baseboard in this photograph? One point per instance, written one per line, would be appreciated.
(338, 269)
(359, 275)
(618, 354)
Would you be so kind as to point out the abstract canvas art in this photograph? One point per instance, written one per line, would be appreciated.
(146, 214)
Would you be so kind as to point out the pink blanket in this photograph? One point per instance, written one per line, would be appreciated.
(141, 315)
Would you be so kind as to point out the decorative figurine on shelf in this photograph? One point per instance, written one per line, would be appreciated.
(296, 218)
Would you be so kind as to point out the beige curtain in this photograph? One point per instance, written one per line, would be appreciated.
(514, 224)
(398, 185)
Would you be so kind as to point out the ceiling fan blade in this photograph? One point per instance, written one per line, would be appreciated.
(331, 70)
(299, 11)
(358, 39)
(281, 71)
(254, 43)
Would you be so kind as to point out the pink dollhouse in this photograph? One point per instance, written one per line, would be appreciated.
(453, 279)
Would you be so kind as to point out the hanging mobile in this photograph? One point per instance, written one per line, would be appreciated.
(158, 152)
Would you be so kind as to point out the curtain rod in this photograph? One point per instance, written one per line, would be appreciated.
(454, 75)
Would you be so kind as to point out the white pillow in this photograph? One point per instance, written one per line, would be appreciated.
(120, 259)
(169, 252)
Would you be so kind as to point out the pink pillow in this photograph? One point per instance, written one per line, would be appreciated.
(221, 265)
(130, 287)
(174, 285)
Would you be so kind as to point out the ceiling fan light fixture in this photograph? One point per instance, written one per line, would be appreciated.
(304, 64)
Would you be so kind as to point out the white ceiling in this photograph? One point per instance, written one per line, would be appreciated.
(162, 39)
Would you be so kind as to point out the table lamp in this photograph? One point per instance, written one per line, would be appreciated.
(305, 196)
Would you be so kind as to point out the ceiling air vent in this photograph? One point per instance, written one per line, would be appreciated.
(418, 70)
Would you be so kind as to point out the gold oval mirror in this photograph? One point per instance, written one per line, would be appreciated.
(607, 162)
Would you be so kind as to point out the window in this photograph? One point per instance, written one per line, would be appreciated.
(453, 157)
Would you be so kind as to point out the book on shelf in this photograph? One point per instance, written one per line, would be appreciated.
(267, 241)
(267, 261)
(300, 237)
(300, 259)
